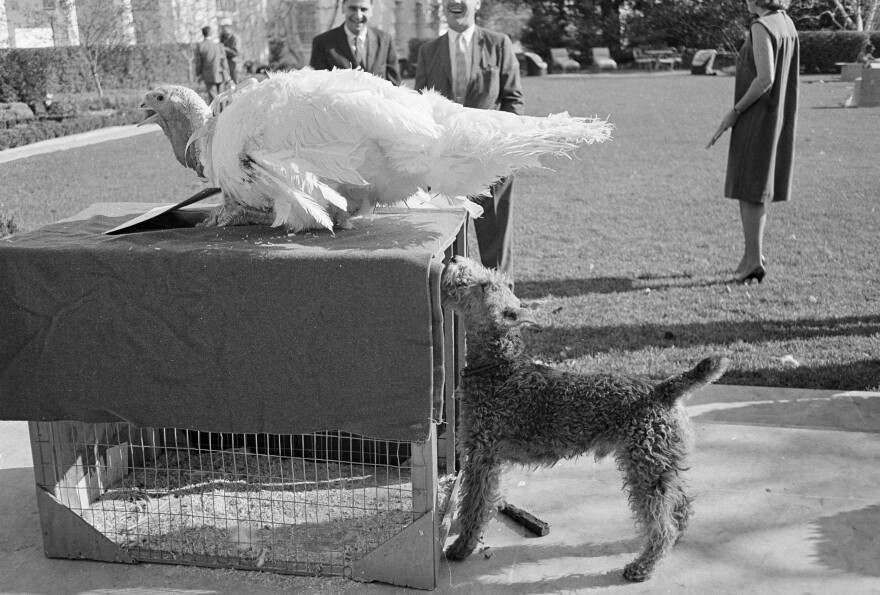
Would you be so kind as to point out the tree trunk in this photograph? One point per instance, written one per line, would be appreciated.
(93, 66)
(611, 24)
(847, 21)
(871, 15)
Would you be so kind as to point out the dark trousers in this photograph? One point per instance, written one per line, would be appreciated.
(214, 89)
(494, 229)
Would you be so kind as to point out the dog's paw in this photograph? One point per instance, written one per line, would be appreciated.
(636, 573)
(459, 550)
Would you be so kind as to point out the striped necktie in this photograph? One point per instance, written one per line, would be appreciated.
(459, 85)
(359, 54)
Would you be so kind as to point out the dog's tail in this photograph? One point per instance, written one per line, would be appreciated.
(706, 372)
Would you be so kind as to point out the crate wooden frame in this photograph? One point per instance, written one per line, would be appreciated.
(72, 465)
(67, 478)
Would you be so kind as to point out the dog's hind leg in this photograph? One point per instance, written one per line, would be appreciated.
(660, 507)
(479, 487)
(682, 514)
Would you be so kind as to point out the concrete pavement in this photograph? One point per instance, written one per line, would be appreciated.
(788, 501)
(76, 140)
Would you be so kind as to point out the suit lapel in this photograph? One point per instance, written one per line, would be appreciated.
(372, 49)
(476, 53)
(342, 42)
(445, 63)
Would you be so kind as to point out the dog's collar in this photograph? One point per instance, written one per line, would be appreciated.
(475, 370)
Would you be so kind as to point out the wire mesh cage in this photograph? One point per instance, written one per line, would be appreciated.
(312, 504)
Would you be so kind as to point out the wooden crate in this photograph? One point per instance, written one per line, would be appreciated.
(116, 493)
(125, 493)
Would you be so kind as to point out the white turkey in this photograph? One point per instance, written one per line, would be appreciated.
(311, 148)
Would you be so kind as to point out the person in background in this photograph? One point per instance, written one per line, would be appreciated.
(211, 65)
(232, 46)
(478, 68)
(355, 44)
(703, 61)
(866, 56)
(763, 123)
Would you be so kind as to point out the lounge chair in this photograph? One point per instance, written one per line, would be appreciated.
(561, 60)
(602, 59)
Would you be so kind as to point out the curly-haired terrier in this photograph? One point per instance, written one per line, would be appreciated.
(516, 411)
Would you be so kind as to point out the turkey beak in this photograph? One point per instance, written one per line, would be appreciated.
(150, 115)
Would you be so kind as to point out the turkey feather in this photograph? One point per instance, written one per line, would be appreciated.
(313, 148)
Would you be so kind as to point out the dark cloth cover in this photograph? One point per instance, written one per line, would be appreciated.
(237, 329)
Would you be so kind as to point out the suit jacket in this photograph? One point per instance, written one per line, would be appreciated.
(211, 65)
(232, 47)
(331, 50)
(495, 79)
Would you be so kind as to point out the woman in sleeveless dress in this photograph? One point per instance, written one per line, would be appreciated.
(762, 122)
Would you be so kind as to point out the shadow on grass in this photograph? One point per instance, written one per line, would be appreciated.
(848, 541)
(531, 290)
(586, 340)
(830, 377)
(573, 342)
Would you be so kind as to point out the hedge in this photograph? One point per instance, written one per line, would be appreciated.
(821, 49)
(27, 75)
(46, 128)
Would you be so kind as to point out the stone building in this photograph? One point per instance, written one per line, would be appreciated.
(292, 23)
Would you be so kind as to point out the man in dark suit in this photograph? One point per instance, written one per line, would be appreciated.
(478, 68)
(232, 46)
(211, 65)
(355, 44)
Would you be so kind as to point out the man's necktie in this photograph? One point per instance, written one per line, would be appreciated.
(459, 85)
(359, 54)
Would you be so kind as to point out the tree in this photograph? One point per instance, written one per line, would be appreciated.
(103, 25)
(846, 15)
(558, 23)
(507, 16)
(690, 23)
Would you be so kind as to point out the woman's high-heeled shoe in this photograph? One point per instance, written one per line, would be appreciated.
(757, 274)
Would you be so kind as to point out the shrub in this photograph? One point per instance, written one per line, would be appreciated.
(7, 226)
(27, 75)
(46, 128)
(24, 77)
(821, 49)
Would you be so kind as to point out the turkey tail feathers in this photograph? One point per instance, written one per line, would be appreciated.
(301, 201)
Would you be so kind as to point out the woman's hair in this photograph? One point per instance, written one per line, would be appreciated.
(773, 4)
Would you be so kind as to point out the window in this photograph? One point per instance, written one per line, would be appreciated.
(305, 22)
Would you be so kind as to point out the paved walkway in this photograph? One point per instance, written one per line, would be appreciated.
(76, 140)
(788, 501)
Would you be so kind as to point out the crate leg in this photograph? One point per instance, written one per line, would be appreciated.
(412, 557)
(66, 535)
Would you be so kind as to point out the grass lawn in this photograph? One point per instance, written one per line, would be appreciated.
(627, 251)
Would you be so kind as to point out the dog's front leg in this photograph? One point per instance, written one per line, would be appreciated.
(479, 487)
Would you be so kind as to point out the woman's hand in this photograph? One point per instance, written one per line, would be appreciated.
(728, 121)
